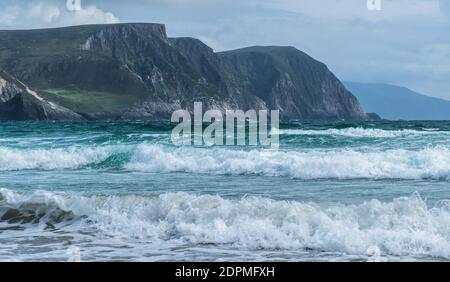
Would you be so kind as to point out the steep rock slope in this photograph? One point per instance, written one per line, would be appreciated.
(134, 71)
(19, 102)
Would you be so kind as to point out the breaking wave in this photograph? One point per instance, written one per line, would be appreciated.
(358, 132)
(432, 162)
(344, 163)
(402, 227)
(37, 208)
(54, 159)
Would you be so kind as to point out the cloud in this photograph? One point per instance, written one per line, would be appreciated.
(325, 9)
(47, 13)
(43, 14)
(404, 44)
(57, 15)
(357, 9)
(88, 15)
(9, 15)
(73, 5)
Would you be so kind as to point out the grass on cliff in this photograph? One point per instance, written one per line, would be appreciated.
(88, 101)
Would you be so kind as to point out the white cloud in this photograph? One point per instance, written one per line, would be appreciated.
(73, 5)
(47, 13)
(357, 9)
(9, 15)
(326, 9)
(42, 14)
(88, 15)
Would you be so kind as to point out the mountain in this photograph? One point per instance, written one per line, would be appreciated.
(136, 72)
(395, 102)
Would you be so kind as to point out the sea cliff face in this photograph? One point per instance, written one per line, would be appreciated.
(19, 102)
(135, 72)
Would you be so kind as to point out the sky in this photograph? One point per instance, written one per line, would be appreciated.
(405, 43)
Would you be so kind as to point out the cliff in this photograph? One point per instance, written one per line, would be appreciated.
(19, 102)
(135, 72)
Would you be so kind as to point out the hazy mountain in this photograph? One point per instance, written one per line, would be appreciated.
(395, 102)
(134, 71)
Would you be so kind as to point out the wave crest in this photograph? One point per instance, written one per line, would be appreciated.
(358, 132)
(433, 162)
(403, 227)
(54, 159)
(39, 207)
(343, 163)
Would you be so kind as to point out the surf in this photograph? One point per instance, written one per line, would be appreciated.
(405, 226)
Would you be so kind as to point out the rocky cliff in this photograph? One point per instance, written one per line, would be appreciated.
(134, 71)
(19, 102)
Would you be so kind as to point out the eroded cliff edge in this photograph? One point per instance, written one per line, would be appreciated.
(135, 72)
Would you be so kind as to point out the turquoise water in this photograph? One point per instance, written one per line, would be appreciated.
(122, 191)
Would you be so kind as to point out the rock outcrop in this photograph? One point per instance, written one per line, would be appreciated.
(134, 71)
(18, 102)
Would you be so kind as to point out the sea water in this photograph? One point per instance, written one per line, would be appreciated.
(124, 192)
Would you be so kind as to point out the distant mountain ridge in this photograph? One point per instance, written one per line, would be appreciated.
(136, 72)
(399, 103)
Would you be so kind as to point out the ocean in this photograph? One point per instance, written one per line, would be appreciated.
(124, 192)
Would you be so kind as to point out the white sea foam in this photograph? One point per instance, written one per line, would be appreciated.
(358, 132)
(432, 162)
(405, 227)
(429, 162)
(37, 197)
(51, 159)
